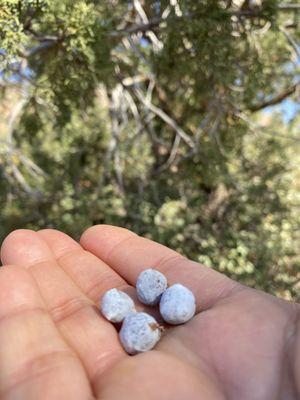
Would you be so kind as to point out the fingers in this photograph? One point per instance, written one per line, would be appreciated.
(93, 338)
(129, 254)
(90, 274)
(93, 276)
(35, 363)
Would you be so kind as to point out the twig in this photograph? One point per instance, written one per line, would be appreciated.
(275, 100)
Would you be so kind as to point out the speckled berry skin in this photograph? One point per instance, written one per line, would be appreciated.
(150, 285)
(177, 305)
(140, 332)
(115, 305)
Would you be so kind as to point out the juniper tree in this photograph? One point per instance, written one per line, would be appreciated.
(147, 114)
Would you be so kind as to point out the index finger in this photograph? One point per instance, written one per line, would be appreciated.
(129, 254)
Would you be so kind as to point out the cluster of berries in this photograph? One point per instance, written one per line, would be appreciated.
(140, 331)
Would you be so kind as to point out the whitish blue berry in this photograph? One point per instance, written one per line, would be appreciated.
(140, 332)
(150, 285)
(115, 305)
(177, 304)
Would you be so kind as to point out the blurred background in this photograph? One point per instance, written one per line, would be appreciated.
(178, 119)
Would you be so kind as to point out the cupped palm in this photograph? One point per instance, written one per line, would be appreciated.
(56, 345)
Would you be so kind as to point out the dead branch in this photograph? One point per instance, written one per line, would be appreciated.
(166, 118)
(275, 100)
(258, 129)
(291, 41)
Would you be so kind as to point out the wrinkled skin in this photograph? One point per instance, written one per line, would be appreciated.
(242, 344)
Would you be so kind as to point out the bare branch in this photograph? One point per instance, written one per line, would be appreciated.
(263, 130)
(44, 45)
(12, 119)
(150, 90)
(113, 149)
(275, 100)
(291, 41)
(157, 20)
(157, 44)
(133, 108)
(172, 156)
(166, 118)
(15, 156)
(289, 7)
(153, 23)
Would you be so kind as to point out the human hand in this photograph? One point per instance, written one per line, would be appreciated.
(54, 343)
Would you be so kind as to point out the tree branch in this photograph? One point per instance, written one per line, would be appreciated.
(172, 155)
(291, 41)
(289, 7)
(161, 114)
(153, 23)
(38, 48)
(262, 130)
(275, 100)
(156, 21)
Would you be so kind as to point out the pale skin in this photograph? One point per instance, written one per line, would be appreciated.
(54, 343)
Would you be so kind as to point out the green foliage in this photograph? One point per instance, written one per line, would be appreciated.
(76, 62)
(11, 33)
(154, 130)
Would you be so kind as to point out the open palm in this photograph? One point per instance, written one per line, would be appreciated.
(55, 344)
